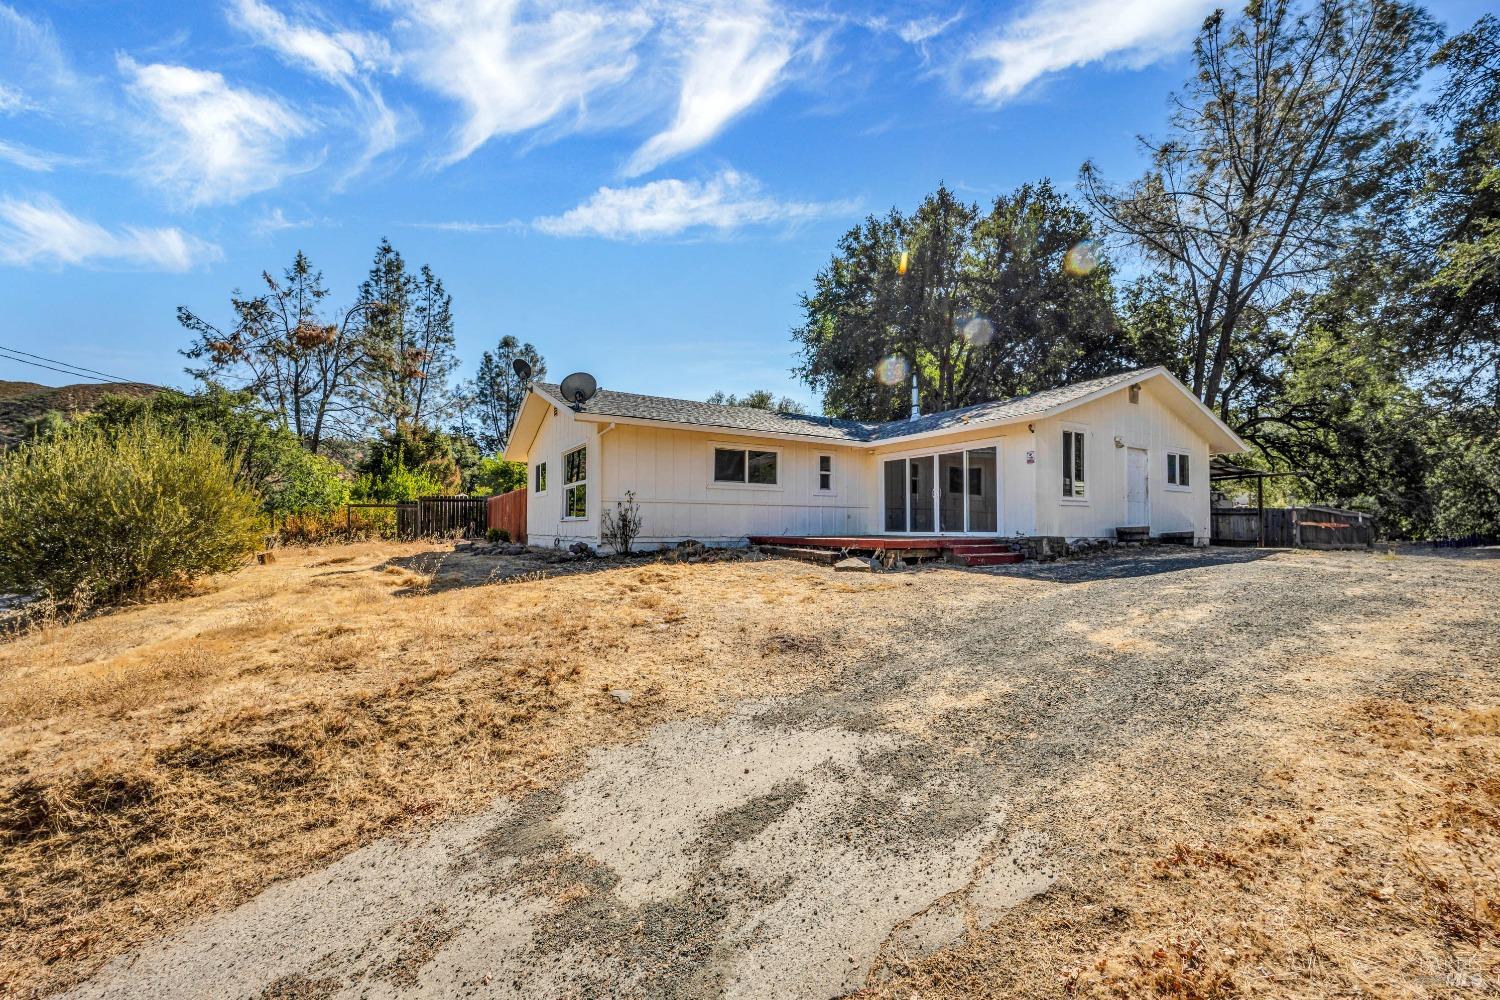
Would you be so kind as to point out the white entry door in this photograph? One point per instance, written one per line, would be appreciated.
(1137, 489)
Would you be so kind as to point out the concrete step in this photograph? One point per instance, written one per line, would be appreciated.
(823, 557)
(991, 559)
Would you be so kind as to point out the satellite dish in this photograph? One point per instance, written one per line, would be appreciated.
(579, 388)
(522, 369)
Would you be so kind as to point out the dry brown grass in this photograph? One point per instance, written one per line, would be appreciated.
(175, 758)
(1365, 861)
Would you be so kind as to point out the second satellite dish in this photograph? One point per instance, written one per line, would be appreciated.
(522, 369)
(578, 388)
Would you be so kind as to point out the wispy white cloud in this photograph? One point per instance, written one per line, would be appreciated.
(34, 71)
(733, 56)
(347, 59)
(42, 232)
(1055, 35)
(30, 159)
(11, 100)
(275, 221)
(211, 142)
(470, 227)
(334, 54)
(923, 29)
(516, 65)
(728, 201)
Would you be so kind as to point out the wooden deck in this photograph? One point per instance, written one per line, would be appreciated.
(877, 543)
(970, 550)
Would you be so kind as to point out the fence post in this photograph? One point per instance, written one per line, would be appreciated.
(1260, 506)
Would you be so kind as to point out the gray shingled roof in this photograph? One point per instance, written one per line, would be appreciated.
(609, 403)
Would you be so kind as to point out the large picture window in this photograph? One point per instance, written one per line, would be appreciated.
(1073, 465)
(745, 465)
(575, 484)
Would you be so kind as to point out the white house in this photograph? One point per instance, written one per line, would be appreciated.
(1081, 461)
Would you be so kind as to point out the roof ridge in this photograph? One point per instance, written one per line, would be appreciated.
(738, 417)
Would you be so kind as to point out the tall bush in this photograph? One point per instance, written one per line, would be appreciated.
(108, 516)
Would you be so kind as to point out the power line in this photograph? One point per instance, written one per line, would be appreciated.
(78, 369)
(38, 364)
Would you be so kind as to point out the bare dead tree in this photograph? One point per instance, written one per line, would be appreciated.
(282, 349)
(1276, 146)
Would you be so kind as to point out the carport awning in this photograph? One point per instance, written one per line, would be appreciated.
(1221, 469)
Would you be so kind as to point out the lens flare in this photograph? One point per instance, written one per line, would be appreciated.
(1082, 258)
(892, 371)
(978, 331)
(901, 264)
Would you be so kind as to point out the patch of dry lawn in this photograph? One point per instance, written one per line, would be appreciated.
(1361, 859)
(171, 759)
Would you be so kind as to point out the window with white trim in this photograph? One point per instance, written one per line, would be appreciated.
(541, 478)
(1177, 470)
(825, 473)
(576, 484)
(750, 466)
(1073, 465)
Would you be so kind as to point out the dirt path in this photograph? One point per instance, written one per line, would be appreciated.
(1016, 747)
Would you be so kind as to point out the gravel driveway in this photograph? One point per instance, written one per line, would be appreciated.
(802, 847)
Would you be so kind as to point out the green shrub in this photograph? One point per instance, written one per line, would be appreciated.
(303, 483)
(107, 516)
(497, 535)
(495, 475)
(396, 485)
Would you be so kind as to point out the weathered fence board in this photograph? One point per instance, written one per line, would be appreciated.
(1293, 527)
(507, 511)
(1331, 528)
(444, 516)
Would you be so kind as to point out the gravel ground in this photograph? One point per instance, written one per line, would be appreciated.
(806, 846)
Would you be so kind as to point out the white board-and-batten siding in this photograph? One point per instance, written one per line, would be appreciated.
(1149, 424)
(561, 431)
(670, 472)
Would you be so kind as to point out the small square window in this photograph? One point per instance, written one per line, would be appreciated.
(1177, 469)
(729, 465)
(763, 468)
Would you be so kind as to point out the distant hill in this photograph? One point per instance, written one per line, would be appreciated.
(22, 402)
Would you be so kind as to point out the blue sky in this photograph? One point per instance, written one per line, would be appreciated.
(642, 189)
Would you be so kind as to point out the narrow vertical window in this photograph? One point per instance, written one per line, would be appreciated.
(1073, 466)
(1171, 468)
(575, 485)
(541, 477)
(825, 473)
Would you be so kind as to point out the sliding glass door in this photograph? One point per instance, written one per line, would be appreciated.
(984, 492)
(950, 493)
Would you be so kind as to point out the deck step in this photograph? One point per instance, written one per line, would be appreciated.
(979, 549)
(991, 558)
(823, 557)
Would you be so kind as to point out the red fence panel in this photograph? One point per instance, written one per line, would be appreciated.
(508, 512)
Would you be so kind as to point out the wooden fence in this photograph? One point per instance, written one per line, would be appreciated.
(446, 516)
(1294, 527)
(507, 511)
